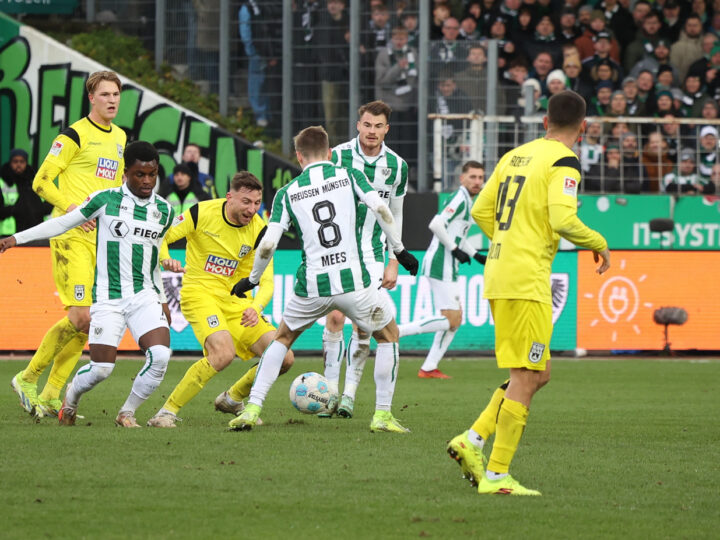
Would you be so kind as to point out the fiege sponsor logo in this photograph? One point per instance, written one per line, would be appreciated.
(220, 265)
(107, 168)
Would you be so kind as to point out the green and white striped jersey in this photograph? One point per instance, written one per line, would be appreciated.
(323, 205)
(438, 261)
(388, 175)
(130, 231)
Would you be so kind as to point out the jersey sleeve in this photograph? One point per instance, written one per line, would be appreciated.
(401, 185)
(61, 153)
(483, 210)
(360, 183)
(564, 179)
(182, 226)
(454, 207)
(280, 212)
(94, 204)
(265, 289)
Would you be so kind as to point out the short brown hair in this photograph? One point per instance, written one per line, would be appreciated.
(472, 164)
(376, 108)
(245, 179)
(95, 78)
(312, 142)
(566, 110)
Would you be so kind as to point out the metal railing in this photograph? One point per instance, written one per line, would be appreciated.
(649, 152)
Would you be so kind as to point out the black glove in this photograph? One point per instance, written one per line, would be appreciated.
(408, 261)
(243, 286)
(479, 257)
(460, 255)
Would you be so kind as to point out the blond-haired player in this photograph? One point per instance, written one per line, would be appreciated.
(222, 236)
(85, 158)
(529, 202)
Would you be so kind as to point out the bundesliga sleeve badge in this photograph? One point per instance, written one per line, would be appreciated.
(570, 187)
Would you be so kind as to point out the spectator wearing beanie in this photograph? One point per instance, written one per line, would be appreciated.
(586, 42)
(184, 191)
(20, 207)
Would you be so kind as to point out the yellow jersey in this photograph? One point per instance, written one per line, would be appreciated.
(218, 253)
(529, 199)
(85, 158)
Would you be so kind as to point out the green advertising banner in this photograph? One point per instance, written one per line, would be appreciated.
(38, 6)
(697, 223)
(412, 299)
(624, 219)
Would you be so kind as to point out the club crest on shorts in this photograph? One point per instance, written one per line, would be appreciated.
(536, 352)
(244, 250)
(79, 292)
(98, 331)
(213, 321)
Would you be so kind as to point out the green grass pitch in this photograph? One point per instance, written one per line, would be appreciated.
(620, 448)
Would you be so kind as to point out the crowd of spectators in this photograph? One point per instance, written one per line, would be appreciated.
(627, 58)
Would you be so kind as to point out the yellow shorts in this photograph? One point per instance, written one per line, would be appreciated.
(73, 267)
(208, 314)
(523, 329)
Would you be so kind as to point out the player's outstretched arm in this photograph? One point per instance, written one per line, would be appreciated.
(263, 255)
(51, 228)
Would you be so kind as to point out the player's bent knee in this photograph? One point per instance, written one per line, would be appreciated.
(80, 319)
(335, 321)
(288, 361)
(102, 371)
(160, 356)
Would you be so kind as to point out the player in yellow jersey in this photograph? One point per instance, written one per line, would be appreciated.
(529, 202)
(222, 235)
(86, 157)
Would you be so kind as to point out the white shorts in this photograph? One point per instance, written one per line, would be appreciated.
(367, 308)
(141, 313)
(376, 269)
(446, 294)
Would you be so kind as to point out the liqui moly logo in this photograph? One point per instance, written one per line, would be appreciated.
(220, 265)
(106, 168)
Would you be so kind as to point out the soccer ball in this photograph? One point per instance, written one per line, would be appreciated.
(310, 393)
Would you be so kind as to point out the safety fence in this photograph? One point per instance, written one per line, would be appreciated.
(617, 154)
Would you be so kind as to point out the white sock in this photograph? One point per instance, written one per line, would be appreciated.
(476, 439)
(495, 475)
(440, 344)
(333, 347)
(386, 369)
(267, 372)
(149, 377)
(357, 354)
(86, 379)
(424, 326)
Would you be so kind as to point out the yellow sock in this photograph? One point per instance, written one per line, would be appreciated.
(196, 377)
(63, 366)
(54, 341)
(241, 389)
(510, 426)
(485, 423)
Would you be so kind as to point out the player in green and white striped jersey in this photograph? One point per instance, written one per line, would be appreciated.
(448, 247)
(387, 173)
(323, 204)
(128, 292)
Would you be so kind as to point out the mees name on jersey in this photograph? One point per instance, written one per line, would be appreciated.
(220, 265)
(106, 168)
(333, 258)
